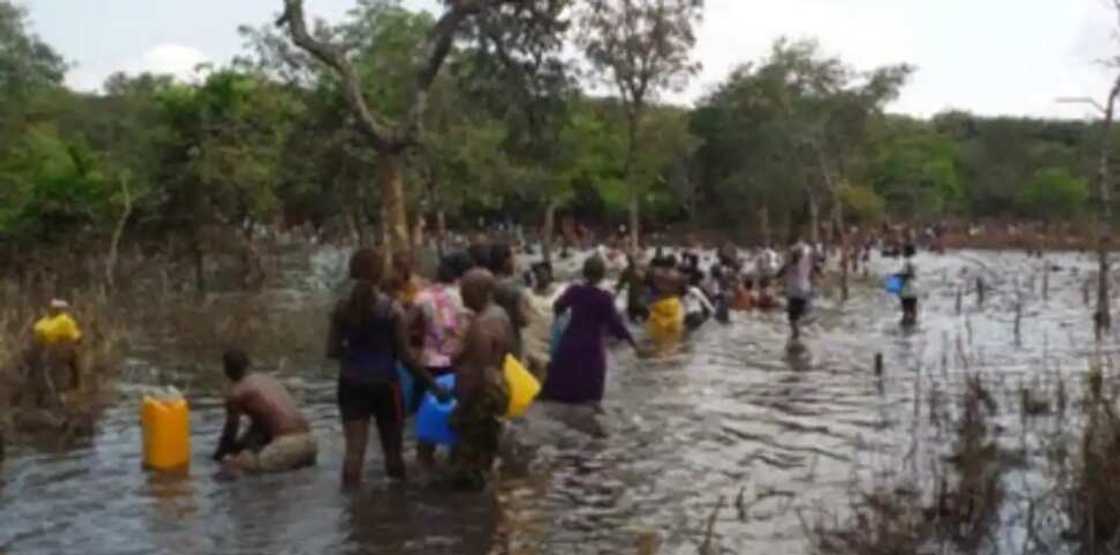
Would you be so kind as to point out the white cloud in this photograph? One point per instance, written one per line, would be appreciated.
(174, 59)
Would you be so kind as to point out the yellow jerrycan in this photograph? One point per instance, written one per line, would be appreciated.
(167, 432)
(59, 329)
(523, 387)
(666, 318)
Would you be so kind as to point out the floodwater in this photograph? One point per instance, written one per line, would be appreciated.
(783, 440)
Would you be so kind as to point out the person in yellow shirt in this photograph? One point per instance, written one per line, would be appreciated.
(56, 338)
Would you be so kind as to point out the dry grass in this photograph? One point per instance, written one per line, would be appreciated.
(40, 399)
(962, 510)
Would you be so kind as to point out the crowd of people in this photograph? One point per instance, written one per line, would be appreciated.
(478, 310)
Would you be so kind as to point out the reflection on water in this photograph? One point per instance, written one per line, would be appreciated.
(728, 414)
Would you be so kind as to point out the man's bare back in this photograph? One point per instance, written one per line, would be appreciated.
(268, 405)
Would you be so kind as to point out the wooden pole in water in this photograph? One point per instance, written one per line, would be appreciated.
(878, 364)
(1018, 320)
(959, 295)
(1045, 282)
(706, 547)
(980, 291)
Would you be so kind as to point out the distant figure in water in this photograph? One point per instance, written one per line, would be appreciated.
(798, 276)
(480, 385)
(509, 293)
(578, 371)
(54, 355)
(538, 335)
(909, 293)
(765, 299)
(279, 437)
(633, 280)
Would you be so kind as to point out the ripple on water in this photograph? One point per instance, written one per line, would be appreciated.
(726, 414)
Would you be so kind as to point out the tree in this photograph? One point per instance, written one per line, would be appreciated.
(519, 75)
(791, 129)
(640, 48)
(27, 64)
(917, 172)
(390, 136)
(221, 158)
(1054, 193)
(862, 204)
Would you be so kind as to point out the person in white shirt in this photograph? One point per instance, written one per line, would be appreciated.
(697, 308)
(909, 293)
(797, 274)
(766, 263)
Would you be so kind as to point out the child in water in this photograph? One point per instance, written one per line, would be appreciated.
(909, 293)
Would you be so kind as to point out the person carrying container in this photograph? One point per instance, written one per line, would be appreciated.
(480, 385)
(369, 337)
(54, 350)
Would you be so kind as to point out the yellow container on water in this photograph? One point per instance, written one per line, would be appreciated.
(167, 433)
(523, 387)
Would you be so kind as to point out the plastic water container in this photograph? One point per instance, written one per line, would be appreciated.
(894, 284)
(433, 420)
(523, 387)
(167, 432)
(59, 329)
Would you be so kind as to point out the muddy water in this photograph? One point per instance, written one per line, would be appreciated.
(727, 414)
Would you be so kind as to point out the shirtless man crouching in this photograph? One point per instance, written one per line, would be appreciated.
(480, 385)
(279, 437)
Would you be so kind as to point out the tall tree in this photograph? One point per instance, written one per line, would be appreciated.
(389, 136)
(519, 73)
(640, 48)
(27, 64)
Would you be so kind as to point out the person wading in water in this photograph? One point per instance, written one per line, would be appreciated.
(480, 385)
(368, 337)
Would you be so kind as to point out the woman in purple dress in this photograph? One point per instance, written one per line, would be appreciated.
(578, 369)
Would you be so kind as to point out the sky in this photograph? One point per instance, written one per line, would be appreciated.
(990, 57)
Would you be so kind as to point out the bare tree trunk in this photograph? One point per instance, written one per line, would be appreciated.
(548, 230)
(814, 218)
(118, 232)
(199, 264)
(441, 231)
(392, 201)
(634, 117)
(764, 224)
(1104, 311)
(635, 222)
(845, 253)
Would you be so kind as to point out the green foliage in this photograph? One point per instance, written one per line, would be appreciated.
(27, 65)
(507, 130)
(1054, 194)
(862, 204)
(52, 188)
(918, 173)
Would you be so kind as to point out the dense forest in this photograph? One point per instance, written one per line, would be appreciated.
(508, 120)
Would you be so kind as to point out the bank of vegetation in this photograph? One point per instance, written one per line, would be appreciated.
(498, 126)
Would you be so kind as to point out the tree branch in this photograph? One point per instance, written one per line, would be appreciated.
(379, 132)
(436, 48)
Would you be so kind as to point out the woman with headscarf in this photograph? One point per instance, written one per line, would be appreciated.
(577, 373)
